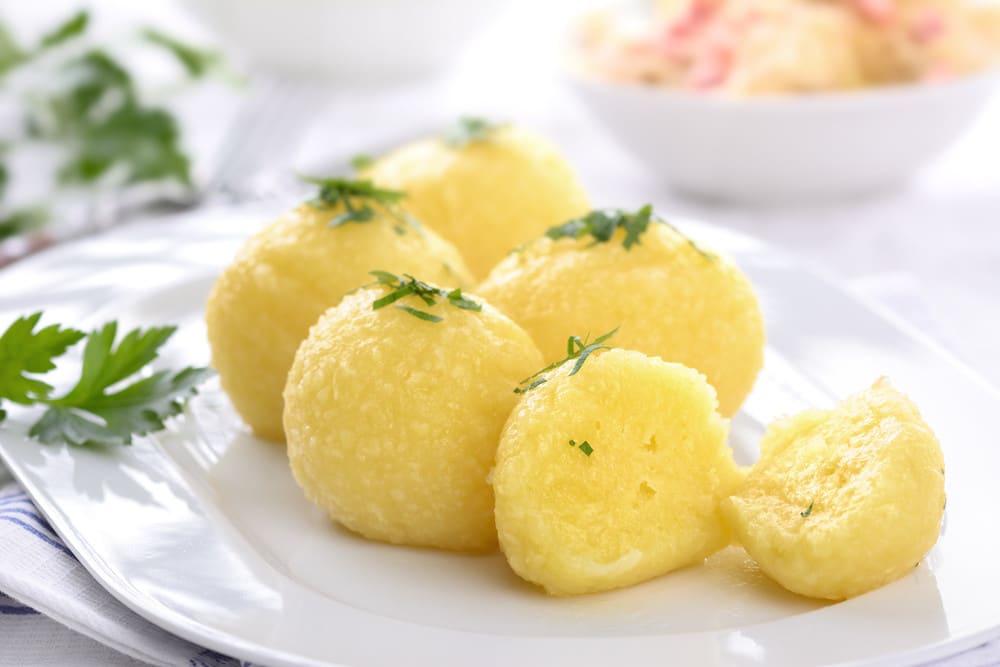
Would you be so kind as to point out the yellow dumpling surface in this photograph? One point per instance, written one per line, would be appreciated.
(488, 195)
(285, 277)
(668, 299)
(843, 501)
(645, 500)
(393, 421)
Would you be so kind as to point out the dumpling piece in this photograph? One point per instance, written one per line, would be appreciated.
(486, 188)
(394, 408)
(843, 501)
(670, 297)
(288, 274)
(613, 475)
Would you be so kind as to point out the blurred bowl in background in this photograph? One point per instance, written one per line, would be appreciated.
(790, 148)
(356, 41)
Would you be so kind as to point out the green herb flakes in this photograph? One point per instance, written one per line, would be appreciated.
(601, 225)
(576, 349)
(406, 285)
(470, 129)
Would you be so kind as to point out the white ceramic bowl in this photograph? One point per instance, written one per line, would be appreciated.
(348, 40)
(794, 148)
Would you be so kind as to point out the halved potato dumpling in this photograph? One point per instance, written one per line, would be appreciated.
(612, 476)
(843, 501)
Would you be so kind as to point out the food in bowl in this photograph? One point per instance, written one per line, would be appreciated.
(612, 473)
(846, 500)
(288, 274)
(668, 296)
(763, 47)
(394, 407)
(483, 186)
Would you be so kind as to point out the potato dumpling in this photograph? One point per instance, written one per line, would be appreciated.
(612, 476)
(843, 501)
(669, 298)
(285, 277)
(487, 190)
(393, 420)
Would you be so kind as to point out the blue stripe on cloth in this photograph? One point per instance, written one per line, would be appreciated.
(31, 514)
(13, 500)
(7, 610)
(37, 533)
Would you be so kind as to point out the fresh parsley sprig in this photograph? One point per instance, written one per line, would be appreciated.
(406, 285)
(359, 199)
(601, 225)
(470, 129)
(576, 348)
(108, 405)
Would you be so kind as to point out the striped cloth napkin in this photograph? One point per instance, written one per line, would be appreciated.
(53, 613)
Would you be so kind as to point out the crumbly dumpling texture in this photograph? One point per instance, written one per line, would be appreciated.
(646, 499)
(667, 299)
(843, 501)
(487, 196)
(393, 421)
(284, 278)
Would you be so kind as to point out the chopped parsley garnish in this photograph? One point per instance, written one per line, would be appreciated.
(361, 161)
(576, 349)
(359, 199)
(406, 285)
(601, 225)
(584, 447)
(470, 129)
(109, 404)
(809, 510)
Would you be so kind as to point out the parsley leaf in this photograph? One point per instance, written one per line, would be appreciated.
(470, 129)
(406, 285)
(26, 351)
(11, 53)
(576, 349)
(22, 220)
(144, 143)
(361, 162)
(584, 447)
(601, 225)
(358, 198)
(96, 113)
(72, 27)
(93, 412)
(195, 61)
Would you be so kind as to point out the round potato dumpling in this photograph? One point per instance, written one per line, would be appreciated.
(499, 188)
(669, 298)
(612, 476)
(393, 419)
(285, 277)
(843, 501)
